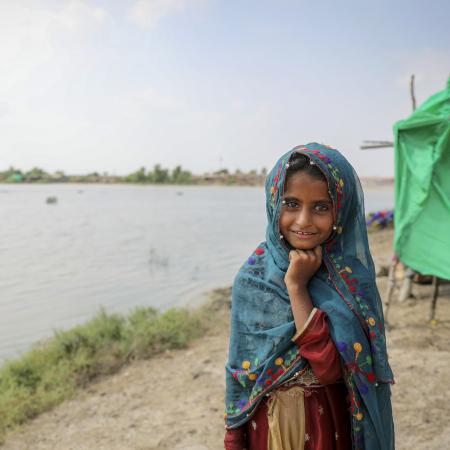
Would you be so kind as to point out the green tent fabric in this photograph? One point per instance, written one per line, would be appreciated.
(422, 187)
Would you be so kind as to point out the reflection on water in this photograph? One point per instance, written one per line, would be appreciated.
(119, 247)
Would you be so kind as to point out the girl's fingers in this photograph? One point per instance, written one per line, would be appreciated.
(293, 255)
(303, 255)
(312, 255)
(318, 251)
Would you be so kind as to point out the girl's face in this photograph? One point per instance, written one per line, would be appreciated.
(306, 218)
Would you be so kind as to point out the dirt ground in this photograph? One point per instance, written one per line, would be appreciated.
(175, 401)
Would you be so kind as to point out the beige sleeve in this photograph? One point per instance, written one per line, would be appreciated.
(308, 320)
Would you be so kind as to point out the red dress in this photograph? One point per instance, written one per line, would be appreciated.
(321, 408)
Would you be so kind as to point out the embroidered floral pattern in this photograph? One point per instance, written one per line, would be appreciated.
(274, 188)
(374, 328)
(305, 378)
(357, 365)
(253, 258)
(262, 380)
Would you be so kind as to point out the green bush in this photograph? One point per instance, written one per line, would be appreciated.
(47, 375)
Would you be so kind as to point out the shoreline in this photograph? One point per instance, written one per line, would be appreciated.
(56, 369)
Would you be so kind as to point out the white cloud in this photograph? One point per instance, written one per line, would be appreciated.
(28, 34)
(161, 101)
(147, 13)
(77, 14)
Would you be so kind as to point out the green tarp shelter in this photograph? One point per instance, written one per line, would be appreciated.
(422, 187)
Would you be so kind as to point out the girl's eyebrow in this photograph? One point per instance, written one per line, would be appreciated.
(290, 197)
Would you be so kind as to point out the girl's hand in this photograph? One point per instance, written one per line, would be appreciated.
(303, 264)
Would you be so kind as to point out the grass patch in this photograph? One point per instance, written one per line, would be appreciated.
(47, 375)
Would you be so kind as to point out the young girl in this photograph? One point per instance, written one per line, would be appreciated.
(307, 362)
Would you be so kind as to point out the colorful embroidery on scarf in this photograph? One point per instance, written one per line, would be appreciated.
(357, 365)
(253, 259)
(374, 329)
(274, 188)
(250, 373)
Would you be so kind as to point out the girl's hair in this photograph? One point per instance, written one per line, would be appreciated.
(301, 163)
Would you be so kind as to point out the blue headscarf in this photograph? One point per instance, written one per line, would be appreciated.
(262, 355)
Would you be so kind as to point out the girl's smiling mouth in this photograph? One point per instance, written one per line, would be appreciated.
(303, 234)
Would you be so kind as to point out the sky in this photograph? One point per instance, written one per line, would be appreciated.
(110, 86)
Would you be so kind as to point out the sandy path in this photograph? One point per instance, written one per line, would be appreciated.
(175, 401)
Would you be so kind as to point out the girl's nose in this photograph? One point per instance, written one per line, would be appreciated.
(303, 217)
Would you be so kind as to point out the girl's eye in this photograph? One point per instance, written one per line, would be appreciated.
(290, 204)
(321, 207)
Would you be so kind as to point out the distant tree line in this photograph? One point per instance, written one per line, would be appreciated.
(157, 175)
(160, 175)
(13, 175)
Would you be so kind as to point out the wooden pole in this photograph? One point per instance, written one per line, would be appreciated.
(376, 144)
(390, 290)
(436, 282)
(413, 95)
